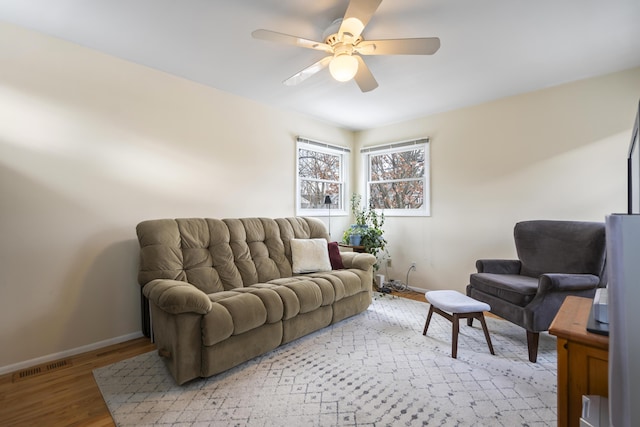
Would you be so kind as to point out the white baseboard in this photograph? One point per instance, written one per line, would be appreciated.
(68, 353)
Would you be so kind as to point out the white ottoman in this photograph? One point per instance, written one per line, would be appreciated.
(461, 307)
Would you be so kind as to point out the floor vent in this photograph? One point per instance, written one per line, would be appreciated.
(58, 364)
(27, 373)
(41, 369)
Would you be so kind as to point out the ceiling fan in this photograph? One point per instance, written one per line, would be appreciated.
(344, 43)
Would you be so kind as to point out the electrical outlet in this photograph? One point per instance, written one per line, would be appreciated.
(413, 266)
(388, 262)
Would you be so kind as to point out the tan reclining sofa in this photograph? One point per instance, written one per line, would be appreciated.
(222, 292)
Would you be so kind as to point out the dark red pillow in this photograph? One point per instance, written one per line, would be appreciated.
(334, 256)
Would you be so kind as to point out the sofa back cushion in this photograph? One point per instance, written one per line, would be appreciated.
(574, 247)
(221, 254)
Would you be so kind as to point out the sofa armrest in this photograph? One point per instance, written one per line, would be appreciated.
(561, 282)
(174, 296)
(362, 261)
(498, 266)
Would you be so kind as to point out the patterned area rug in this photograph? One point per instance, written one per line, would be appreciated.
(375, 369)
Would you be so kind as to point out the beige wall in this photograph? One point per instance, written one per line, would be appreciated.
(558, 153)
(91, 145)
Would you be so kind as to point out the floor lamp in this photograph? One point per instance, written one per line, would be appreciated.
(327, 201)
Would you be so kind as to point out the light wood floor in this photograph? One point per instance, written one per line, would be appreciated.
(64, 393)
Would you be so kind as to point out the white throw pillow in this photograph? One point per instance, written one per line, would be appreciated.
(310, 255)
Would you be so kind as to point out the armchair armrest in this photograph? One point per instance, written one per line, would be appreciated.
(498, 266)
(562, 282)
(362, 261)
(553, 288)
(174, 296)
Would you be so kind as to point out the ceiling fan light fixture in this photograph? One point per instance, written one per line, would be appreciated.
(344, 46)
(352, 26)
(343, 67)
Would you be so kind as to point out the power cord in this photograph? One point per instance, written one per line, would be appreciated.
(395, 285)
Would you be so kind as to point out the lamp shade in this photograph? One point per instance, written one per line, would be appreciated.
(343, 67)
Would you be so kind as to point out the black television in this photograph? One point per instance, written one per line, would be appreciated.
(633, 169)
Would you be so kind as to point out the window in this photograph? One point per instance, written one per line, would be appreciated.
(321, 171)
(397, 177)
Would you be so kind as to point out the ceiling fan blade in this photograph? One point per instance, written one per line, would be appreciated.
(419, 46)
(357, 16)
(273, 36)
(308, 72)
(363, 77)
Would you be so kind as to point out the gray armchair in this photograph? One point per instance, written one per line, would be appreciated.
(555, 259)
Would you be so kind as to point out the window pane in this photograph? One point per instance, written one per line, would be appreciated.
(321, 171)
(314, 164)
(401, 165)
(397, 195)
(312, 194)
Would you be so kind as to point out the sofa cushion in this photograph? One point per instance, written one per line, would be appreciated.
(345, 282)
(308, 293)
(334, 256)
(573, 247)
(233, 313)
(207, 259)
(247, 311)
(310, 255)
(516, 289)
(290, 301)
(271, 300)
(258, 252)
(325, 287)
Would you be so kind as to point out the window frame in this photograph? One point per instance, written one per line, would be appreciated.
(397, 147)
(345, 158)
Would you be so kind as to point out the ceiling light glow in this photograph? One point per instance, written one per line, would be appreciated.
(343, 67)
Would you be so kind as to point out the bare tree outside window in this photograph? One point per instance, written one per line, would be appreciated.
(321, 172)
(319, 176)
(397, 178)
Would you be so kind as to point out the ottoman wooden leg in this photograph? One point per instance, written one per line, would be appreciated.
(454, 335)
(486, 332)
(461, 307)
(426, 325)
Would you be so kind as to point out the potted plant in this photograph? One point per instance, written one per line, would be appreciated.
(353, 236)
(367, 230)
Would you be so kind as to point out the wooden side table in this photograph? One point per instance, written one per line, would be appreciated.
(583, 359)
(360, 249)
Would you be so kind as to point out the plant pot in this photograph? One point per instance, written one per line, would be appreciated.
(354, 239)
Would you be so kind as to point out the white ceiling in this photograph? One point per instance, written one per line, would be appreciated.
(490, 48)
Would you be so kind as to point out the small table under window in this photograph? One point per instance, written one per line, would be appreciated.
(359, 249)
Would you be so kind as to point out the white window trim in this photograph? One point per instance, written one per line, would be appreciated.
(323, 147)
(395, 147)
